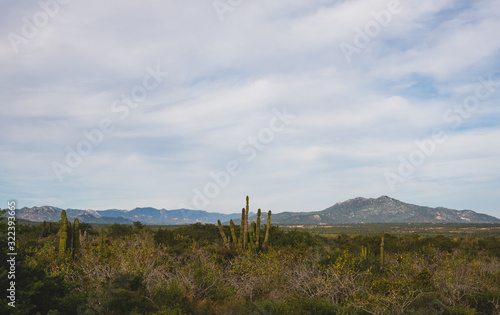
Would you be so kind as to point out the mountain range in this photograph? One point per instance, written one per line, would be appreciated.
(382, 210)
(144, 215)
(358, 210)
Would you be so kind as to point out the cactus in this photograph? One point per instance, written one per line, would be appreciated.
(246, 224)
(69, 239)
(249, 238)
(242, 229)
(63, 233)
(268, 227)
(257, 232)
(233, 232)
(221, 230)
(382, 251)
(253, 236)
(364, 251)
(76, 237)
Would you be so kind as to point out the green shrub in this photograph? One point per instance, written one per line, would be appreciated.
(39, 292)
(300, 305)
(171, 300)
(292, 239)
(459, 310)
(120, 230)
(125, 294)
(491, 245)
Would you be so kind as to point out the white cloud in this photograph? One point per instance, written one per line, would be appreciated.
(225, 78)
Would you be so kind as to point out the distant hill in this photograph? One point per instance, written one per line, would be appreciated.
(382, 210)
(144, 215)
(359, 210)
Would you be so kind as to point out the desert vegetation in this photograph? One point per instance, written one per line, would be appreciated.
(133, 269)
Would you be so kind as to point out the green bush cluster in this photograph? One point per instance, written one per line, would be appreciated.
(189, 270)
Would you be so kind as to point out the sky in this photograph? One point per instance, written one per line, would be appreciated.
(298, 104)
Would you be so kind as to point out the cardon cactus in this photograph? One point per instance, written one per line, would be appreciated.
(233, 232)
(364, 251)
(76, 237)
(253, 236)
(242, 228)
(69, 236)
(63, 233)
(249, 238)
(221, 230)
(257, 232)
(69, 239)
(268, 227)
(246, 224)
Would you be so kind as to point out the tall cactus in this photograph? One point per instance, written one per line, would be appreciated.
(253, 236)
(76, 237)
(249, 238)
(69, 239)
(246, 224)
(233, 232)
(63, 233)
(242, 229)
(268, 227)
(221, 230)
(364, 251)
(257, 232)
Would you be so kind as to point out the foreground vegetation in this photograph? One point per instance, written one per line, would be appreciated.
(190, 270)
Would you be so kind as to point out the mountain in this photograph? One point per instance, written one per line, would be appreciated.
(145, 215)
(358, 210)
(53, 214)
(38, 214)
(381, 210)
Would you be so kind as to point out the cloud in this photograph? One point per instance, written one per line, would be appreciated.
(225, 79)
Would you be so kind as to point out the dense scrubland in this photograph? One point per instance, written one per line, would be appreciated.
(127, 269)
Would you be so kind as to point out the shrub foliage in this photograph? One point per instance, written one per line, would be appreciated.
(189, 270)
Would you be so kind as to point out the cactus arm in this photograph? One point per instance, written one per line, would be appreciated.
(246, 224)
(268, 227)
(257, 232)
(253, 239)
(242, 228)
(76, 237)
(224, 238)
(69, 240)
(233, 232)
